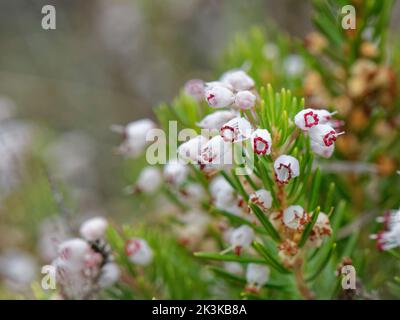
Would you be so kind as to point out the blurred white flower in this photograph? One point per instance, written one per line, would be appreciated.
(322, 151)
(175, 172)
(216, 155)
(238, 79)
(149, 180)
(195, 88)
(190, 150)
(139, 252)
(110, 274)
(257, 275)
(324, 135)
(294, 65)
(241, 238)
(234, 267)
(94, 228)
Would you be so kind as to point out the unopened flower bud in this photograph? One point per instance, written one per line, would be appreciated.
(195, 88)
(241, 238)
(262, 198)
(257, 275)
(216, 120)
(149, 180)
(236, 130)
(286, 168)
(294, 217)
(218, 95)
(261, 141)
(245, 99)
(139, 252)
(94, 229)
(238, 79)
(234, 267)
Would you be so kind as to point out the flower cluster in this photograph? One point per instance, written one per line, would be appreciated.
(389, 237)
(85, 265)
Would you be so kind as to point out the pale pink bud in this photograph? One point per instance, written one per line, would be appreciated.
(286, 168)
(73, 251)
(149, 180)
(218, 95)
(238, 79)
(216, 119)
(236, 130)
(293, 65)
(195, 88)
(322, 151)
(294, 217)
(306, 119)
(139, 252)
(257, 275)
(261, 141)
(94, 229)
(262, 198)
(241, 238)
(175, 172)
(245, 99)
(324, 135)
(190, 150)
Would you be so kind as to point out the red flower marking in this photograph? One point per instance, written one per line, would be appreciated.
(132, 246)
(238, 250)
(314, 118)
(230, 129)
(379, 243)
(289, 171)
(210, 96)
(330, 138)
(261, 150)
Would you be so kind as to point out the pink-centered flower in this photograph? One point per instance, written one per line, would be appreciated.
(324, 135)
(139, 252)
(261, 141)
(286, 168)
(236, 130)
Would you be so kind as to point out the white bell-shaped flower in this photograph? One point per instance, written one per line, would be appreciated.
(245, 100)
(324, 135)
(262, 198)
(306, 119)
(234, 267)
(257, 275)
(241, 238)
(216, 155)
(387, 240)
(286, 168)
(218, 95)
(190, 150)
(94, 229)
(294, 217)
(236, 130)
(175, 172)
(139, 252)
(238, 79)
(261, 141)
(134, 136)
(322, 151)
(293, 65)
(324, 115)
(216, 120)
(73, 251)
(149, 180)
